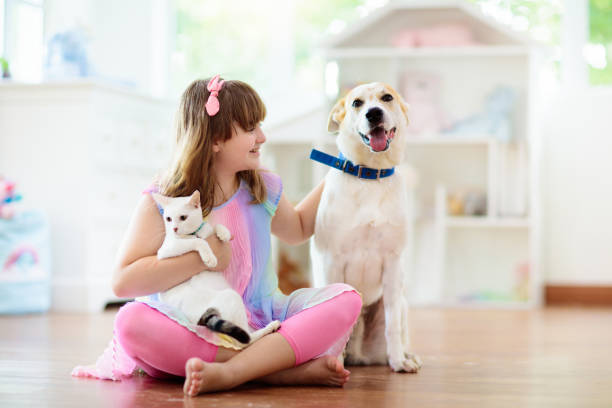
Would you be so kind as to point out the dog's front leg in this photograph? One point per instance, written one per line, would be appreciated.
(408, 354)
(393, 302)
(354, 348)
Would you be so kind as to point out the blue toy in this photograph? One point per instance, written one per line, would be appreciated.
(67, 56)
(494, 121)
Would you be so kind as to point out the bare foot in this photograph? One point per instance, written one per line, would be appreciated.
(205, 377)
(326, 370)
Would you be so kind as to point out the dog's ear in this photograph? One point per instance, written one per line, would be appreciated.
(404, 106)
(336, 116)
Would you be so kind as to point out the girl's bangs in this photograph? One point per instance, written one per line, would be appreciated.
(248, 109)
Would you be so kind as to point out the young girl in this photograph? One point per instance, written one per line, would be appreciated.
(218, 143)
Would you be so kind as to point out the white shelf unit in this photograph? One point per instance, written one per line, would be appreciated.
(287, 152)
(439, 52)
(474, 261)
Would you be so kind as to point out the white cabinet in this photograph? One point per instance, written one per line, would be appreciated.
(490, 259)
(82, 152)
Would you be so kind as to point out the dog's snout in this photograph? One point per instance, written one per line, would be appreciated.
(374, 116)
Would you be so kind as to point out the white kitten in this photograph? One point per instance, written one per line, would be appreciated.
(207, 298)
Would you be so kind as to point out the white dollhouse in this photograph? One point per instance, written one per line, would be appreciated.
(470, 84)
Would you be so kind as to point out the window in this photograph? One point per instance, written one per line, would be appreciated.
(266, 43)
(2, 7)
(21, 38)
(600, 42)
(543, 19)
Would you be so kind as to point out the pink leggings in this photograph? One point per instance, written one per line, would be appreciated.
(161, 347)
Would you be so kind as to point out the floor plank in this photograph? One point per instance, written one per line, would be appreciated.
(554, 357)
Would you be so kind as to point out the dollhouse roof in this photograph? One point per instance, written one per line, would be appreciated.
(377, 28)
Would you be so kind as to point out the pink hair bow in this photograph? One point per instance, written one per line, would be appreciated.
(212, 104)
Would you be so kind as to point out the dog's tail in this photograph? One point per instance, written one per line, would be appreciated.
(212, 319)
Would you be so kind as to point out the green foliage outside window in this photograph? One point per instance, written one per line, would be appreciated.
(547, 16)
(236, 38)
(313, 19)
(600, 32)
(220, 37)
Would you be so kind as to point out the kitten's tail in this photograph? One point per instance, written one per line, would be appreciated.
(212, 319)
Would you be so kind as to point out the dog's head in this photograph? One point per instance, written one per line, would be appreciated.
(371, 120)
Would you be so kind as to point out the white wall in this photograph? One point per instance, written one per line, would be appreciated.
(130, 41)
(577, 187)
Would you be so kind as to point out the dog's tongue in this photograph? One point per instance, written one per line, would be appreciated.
(378, 139)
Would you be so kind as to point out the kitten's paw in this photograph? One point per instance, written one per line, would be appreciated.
(209, 259)
(162, 254)
(222, 233)
(273, 326)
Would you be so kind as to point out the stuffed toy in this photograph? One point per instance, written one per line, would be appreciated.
(441, 35)
(421, 91)
(494, 121)
(8, 198)
(467, 203)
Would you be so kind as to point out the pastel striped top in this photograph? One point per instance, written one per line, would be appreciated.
(250, 271)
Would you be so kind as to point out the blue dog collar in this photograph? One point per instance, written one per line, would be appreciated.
(345, 165)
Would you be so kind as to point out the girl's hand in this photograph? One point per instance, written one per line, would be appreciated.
(295, 225)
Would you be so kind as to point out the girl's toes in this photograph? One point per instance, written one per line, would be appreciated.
(195, 364)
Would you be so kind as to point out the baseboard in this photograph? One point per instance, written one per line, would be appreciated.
(80, 296)
(578, 295)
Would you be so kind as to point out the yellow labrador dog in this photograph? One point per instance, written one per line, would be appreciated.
(363, 225)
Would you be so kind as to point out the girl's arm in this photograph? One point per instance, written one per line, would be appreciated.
(296, 225)
(138, 272)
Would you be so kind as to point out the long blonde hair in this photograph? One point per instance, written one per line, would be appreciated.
(196, 132)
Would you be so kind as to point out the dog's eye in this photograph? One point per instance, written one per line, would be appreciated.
(387, 97)
(168, 219)
(183, 217)
(357, 103)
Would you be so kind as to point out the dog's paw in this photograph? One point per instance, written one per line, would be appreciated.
(414, 358)
(223, 233)
(356, 360)
(409, 363)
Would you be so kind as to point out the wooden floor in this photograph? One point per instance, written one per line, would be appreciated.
(472, 358)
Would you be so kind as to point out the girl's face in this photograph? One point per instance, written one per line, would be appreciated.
(241, 151)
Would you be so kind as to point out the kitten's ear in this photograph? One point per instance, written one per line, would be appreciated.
(195, 199)
(160, 199)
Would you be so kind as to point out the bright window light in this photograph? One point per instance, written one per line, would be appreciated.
(595, 55)
(331, 79)
(2, 28)
(24, 39)
(336, 26)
